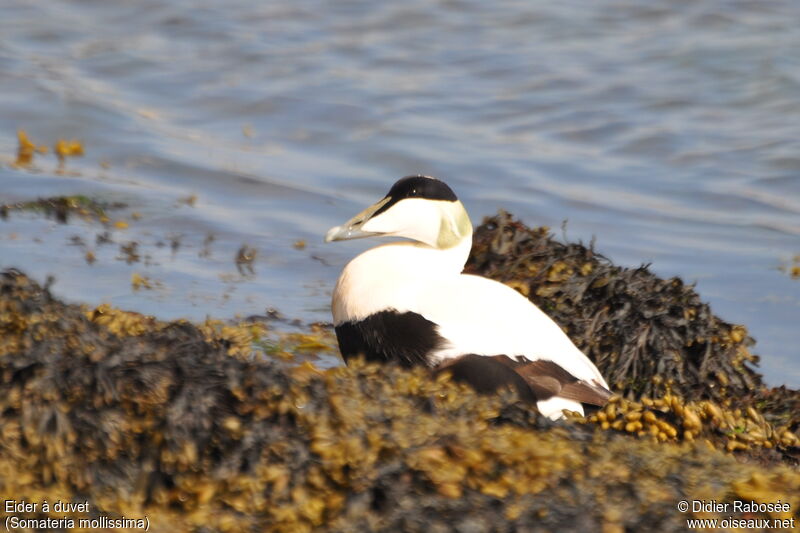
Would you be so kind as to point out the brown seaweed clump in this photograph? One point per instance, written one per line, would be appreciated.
(146, 418)
(61, 208)
(647, 335)
(674, 419)
(27, 149)
(685, 373)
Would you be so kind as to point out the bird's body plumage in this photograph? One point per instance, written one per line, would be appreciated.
(410, 303)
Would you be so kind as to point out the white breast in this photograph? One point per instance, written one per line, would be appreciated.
(393, 276)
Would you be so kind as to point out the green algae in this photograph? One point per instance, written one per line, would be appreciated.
(182, 424)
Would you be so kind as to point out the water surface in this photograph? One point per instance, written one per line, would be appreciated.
(668, 131)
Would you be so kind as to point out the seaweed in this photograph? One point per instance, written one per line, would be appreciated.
(190, 426)
(61, 208)
(649, 336)
(216, 427)
(27, 149)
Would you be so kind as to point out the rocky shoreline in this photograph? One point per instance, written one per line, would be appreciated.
(194, 428)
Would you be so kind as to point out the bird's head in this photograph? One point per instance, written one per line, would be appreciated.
(420, 208)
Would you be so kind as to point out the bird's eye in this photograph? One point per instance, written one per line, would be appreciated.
(413, 192)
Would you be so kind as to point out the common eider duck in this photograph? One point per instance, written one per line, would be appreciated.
(408, 302)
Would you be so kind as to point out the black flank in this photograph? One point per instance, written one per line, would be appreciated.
(417, 187)
(389, 337)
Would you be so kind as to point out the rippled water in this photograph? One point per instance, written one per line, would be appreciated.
(667, 130)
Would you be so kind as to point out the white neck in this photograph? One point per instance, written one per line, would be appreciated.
(391, 276)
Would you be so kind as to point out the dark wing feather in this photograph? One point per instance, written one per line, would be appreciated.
(548, 379)
(533, 380)
(584, 392)
(487, 375)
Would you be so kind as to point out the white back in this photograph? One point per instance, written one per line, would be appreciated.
(485, 317)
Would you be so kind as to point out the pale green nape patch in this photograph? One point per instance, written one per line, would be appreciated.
(455, 225)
